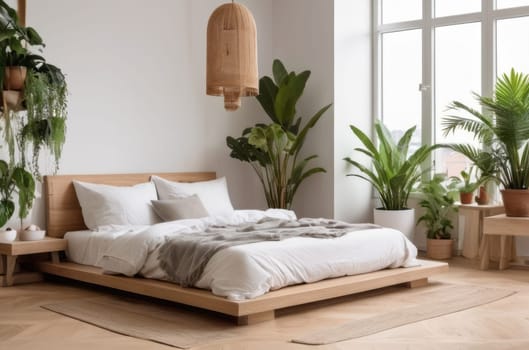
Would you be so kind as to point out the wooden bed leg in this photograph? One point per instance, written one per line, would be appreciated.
(255, 318)
(417, 283)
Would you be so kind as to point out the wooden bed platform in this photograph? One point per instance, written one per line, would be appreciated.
(63, 214)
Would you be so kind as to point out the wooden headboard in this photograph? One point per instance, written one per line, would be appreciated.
(63, 212)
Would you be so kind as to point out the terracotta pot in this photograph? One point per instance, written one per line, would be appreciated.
(14, 78)
(516, 202)
(439, 248)
(466, 197)
(483, 198)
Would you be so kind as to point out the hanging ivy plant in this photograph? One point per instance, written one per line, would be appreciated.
(45, 124)
(36, 123)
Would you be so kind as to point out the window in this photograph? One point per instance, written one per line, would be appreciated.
(429, 53)
(401, 69)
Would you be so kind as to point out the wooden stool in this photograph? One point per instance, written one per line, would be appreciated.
(506, 228)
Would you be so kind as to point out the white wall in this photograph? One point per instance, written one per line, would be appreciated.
(303, 40)
(352, 95)
(136, 74)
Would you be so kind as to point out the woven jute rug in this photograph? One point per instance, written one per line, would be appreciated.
(158, 322)
(182, 327)
(439, 302)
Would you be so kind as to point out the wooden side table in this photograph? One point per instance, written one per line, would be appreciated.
(9, 253)
(473, 229)
(506, 228)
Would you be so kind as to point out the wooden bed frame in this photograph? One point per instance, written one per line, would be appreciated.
(63, 214)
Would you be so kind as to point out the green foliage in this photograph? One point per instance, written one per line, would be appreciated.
(394, 173)
(438, 203)
(503, 129)
(15, 179)
(465, 184)
(45, 126)
(14, 40)
(40, 126)
(273, 149)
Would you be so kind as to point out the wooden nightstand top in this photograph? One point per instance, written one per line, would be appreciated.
(506, 225)
(486, 207)
(48, 244)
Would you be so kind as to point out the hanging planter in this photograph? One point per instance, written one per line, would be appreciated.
(14, 77)
(232, 55)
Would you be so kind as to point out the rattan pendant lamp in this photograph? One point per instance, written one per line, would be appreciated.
(232, 55)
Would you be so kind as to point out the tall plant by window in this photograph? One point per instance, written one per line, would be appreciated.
(33, 112)
(273, 150)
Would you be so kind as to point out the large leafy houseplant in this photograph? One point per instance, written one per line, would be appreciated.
(503, 129)
(394, 171)
(273, 150)
(36, 122)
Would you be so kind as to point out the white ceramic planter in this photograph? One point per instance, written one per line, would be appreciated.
(402, 220)
(37, 235)
(8, 236)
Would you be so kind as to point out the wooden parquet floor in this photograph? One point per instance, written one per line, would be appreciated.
(500, 325)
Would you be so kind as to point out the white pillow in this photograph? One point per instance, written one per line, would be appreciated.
(213, 194)
(116, 205)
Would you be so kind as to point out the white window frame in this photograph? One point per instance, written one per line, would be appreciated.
(488, 18)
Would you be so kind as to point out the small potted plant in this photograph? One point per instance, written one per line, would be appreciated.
(466, 186)
(438, 205)
(394, 175)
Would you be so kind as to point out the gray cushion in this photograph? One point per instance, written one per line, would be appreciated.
(181, 208)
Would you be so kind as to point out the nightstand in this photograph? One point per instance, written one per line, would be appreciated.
(9, 252)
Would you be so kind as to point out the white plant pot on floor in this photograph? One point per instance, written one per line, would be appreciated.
(402, 220)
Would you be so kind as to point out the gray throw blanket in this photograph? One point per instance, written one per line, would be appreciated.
(184, 258)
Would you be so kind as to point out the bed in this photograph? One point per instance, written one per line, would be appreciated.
(63, 214)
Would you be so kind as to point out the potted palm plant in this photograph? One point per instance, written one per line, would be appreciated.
(504, 130)
(438, 204)
(395, 173)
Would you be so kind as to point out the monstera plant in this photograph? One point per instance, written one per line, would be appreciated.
(15, 179)
(273, 150)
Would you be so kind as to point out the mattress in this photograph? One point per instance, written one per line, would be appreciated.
(246, 271)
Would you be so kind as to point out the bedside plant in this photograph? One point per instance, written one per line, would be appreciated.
(273, 150)
(15, 179)
(395, 174)
(438, 204)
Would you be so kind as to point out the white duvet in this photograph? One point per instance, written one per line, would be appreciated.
(244, 271)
